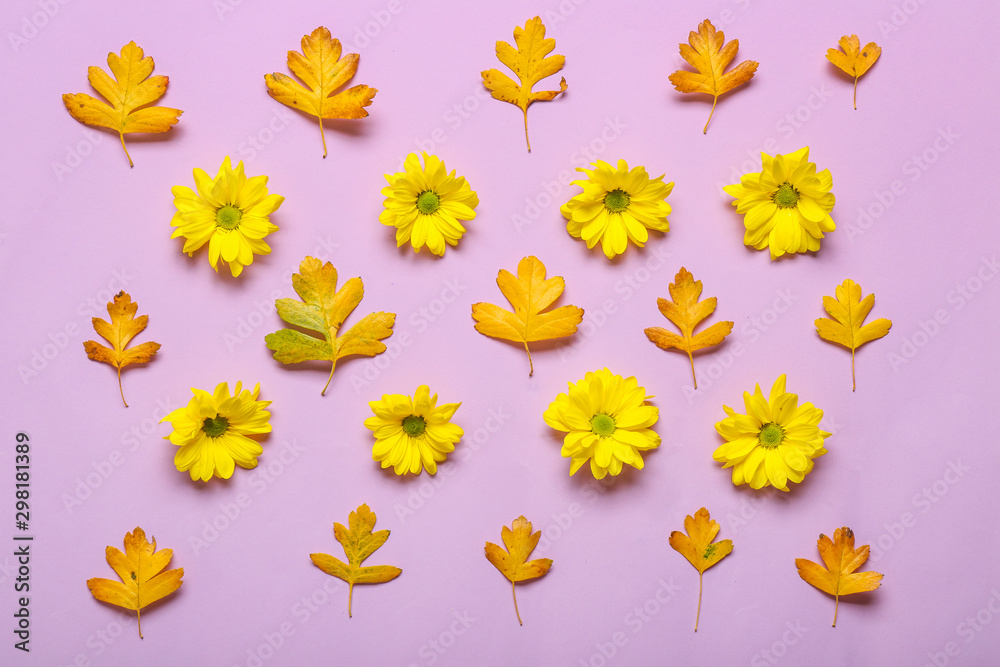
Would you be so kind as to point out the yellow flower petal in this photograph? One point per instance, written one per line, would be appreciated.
(198, 220)
(211, 431)
(751, 450)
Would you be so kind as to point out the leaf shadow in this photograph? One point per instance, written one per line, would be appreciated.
(152, 606)
(703, 98)
(839, 73)
(151, 137)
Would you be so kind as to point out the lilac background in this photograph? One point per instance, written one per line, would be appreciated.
(79, 225)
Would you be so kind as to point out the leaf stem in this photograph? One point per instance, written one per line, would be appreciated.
(350, 599)
(698, 615)
(531, 366)
(329, 379)
(138, 616)
(836, 608)
(855, 92)
(712, 113)
(526, 140)
(693, 377)
(121, 391)
(513, 590)
(122, 138)
(323, 136)
(854, 382)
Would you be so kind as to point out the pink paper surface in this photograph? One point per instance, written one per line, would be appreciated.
(912, 461)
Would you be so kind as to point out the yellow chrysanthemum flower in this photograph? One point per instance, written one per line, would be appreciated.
(617, 206)
(774, 442)
(212, 431)
(412, 434)
(425, 204)
(786, 207)
(230, 213)
(606, 421)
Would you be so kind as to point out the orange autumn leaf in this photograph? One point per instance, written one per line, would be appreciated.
(710, 55)
(849, 311)
(124, 326)
(698, 548)
(854, 60)
(142, 582)
(321, 68)
(129, 94)
(529, 293)
(323, 310)
(529, 62)
(686, 311)
(841, 560)
(359, 543)
(513, 563)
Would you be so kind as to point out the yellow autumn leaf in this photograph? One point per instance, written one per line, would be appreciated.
(513, 563)
(142, 582)
(841, 560)
(322, 69)
(686, 311)
(359, 543)
(849, 311)
(128, 93)
(710, 55)
(854, 60)
(323, 309)
(698, 548)
(529, 293)
(529, 62)
(124, 326)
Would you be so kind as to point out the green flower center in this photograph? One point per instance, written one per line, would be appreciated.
(786, 196)
(602, 424)
(617, 200)
(771, 435)
(428, 202)
(228, 217)
(214, 427)
(414, 426)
